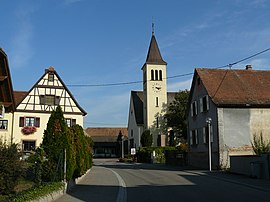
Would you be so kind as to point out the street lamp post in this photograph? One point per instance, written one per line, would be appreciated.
(208, 121)
(122, 146)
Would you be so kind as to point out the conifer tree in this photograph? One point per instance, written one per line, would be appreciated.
(55, 141)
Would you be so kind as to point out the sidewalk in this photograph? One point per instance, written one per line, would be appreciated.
(259, 184)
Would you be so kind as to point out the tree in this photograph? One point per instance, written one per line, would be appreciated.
(146, 139)
(176, 115)
(55, 141)
(10, 167)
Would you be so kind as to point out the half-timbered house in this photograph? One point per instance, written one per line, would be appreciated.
(34, 107)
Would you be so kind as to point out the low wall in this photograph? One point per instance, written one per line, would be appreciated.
(253, 166)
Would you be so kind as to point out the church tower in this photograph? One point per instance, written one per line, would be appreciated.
(154, 90)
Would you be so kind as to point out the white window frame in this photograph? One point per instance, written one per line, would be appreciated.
(201, 104)
(196, 108)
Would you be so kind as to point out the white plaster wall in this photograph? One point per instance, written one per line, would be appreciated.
(132, 125)
(18, 137)
(237, 128)
(5, 135)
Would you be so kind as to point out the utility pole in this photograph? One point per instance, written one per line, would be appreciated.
(208, 121)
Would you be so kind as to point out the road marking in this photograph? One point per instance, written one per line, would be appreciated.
(122, 191)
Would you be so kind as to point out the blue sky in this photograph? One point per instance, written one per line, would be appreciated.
(106, 41)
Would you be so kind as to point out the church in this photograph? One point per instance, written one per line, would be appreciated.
(147, 107)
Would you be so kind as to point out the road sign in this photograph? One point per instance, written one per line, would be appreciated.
(133, 151)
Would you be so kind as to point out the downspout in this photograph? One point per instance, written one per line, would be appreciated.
(12, 128)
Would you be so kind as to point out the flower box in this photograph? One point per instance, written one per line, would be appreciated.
(27, 130)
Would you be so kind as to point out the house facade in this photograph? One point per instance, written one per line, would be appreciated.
(34, 107)
(7, 103)
(238, 103)
(26, 113)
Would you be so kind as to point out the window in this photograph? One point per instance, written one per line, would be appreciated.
(49, 99)
(3, 124)
(70, 122)
(206, 134)
(156, 74)
(50, 77)
(160, 75)
(131, 133)
(204, 104)
(157, 122)
(193, 107)
(156, 101)
(152, 74)
(28, 145)
(29, 121)
(194, 137)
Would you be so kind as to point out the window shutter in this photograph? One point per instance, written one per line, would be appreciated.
(191, 109)
(57, 100)
(196, 136)
(201, 105)
(37, 122)
(42, 99)
(190, 137)
(211, 133)
(207, 102)
(21, 122)
(196, 108)
(204, 135)
(73, 122)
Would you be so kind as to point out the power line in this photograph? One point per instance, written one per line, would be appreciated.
(170, 77)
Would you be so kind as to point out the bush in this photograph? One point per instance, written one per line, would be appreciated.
(146, 139)
(259, 145)
(37, 192)
(11, 168)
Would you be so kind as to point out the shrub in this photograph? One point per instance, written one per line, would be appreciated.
(37, 192)
(259, 145)
(146, 139)
(10, 167)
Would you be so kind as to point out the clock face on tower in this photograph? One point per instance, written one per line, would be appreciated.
(156, 87)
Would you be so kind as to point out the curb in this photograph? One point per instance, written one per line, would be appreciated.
(57, 194)
(230, 180)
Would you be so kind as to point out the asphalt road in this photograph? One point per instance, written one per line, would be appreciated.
(110, 181)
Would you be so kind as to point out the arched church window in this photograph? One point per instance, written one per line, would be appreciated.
(156, 74)
(152, 74)
(160, 75)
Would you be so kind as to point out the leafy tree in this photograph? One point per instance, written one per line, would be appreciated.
(10, 167)
(177, 114)
(146, 139)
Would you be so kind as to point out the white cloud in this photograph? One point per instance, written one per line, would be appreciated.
(69, 2)
(22, 50)
(181, 85)
(110, 110)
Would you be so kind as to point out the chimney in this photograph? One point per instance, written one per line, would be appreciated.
(248, 67)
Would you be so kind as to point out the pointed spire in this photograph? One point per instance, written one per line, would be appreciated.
(154, 56)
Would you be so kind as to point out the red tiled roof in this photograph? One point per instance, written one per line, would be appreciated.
(236, 87)
(18, 96)
(106, 134)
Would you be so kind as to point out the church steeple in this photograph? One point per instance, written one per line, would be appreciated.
(153, 55)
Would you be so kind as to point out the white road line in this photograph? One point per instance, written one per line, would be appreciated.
(122, 192)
